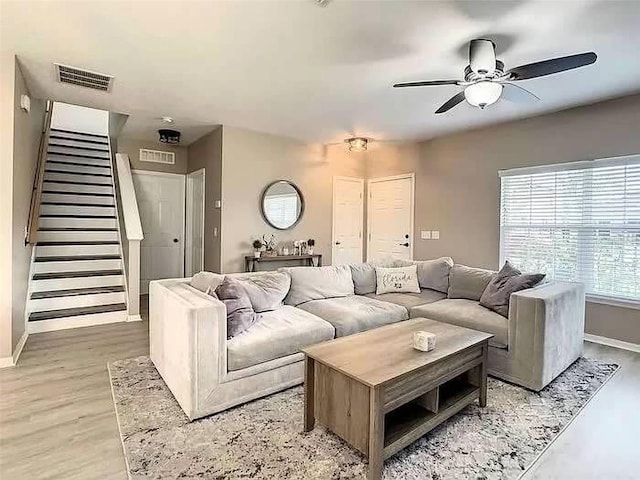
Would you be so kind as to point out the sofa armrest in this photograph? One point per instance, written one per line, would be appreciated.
(187, 340)
(546, 330)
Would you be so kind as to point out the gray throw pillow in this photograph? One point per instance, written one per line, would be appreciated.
(364, 278)
(507, 281)
(434, 274)
(240, 313)
(267, 290)
(468, 282)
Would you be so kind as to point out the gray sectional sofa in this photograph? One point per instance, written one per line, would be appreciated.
(208, 373)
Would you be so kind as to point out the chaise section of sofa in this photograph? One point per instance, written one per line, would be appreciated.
(189, 347)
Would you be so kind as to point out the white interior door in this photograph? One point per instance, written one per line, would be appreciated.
(161, 200)
(348, 220)
(194, 233)
(390, 218)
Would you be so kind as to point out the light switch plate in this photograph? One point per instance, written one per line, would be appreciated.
(218, 204)
(435, 234)
(425, 235)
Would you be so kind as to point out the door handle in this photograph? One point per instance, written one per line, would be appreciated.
(175, 240)
(338, 243)
(404, 244)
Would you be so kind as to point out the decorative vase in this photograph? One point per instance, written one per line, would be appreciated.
(310, 250)
(256, 254)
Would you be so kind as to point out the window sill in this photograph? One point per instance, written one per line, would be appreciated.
(614, 302)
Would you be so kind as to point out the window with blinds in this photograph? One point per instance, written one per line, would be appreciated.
(576, 222)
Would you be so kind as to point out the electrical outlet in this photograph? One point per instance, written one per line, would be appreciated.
(435, 234)
(425, 235)
(218, 204)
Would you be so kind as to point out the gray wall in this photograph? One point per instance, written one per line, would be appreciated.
(26, 139)
(132, 146)
(251, 160)
(458, 189)
(7, 84)
(21, 133)
(206, 153)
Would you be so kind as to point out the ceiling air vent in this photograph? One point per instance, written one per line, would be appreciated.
(157, 156)
(83, 78)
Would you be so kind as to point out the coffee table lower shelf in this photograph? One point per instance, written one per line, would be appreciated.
(406, 424)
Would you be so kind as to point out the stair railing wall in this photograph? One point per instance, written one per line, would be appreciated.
(34, 209)
(129, 217)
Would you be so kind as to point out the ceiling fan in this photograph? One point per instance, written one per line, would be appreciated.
(485, 79)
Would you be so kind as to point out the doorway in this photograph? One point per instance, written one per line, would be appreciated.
(194, 233)
(161, 202)
(348, 220)
(390, 209)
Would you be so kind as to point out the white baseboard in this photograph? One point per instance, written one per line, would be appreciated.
(612, 342)
(6, 362)
(77, 322)
(134, 318)
(13, 360)
(19, 347)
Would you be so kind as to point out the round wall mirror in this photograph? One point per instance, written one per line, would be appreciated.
(282, 204)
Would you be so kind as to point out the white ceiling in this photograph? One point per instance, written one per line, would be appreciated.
(319, 74)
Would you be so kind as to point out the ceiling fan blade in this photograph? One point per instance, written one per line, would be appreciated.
(452, 102)
(517, 94)
(549, 67)
(427, 83)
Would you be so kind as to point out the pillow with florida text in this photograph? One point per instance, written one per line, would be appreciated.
(397, 280)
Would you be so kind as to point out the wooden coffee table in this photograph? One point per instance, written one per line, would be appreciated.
(378, 393)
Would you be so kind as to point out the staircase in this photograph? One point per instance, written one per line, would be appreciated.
(76, 272)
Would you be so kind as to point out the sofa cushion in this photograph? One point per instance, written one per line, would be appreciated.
(364, 278)
(467, 313)
(276, 334)
(355, 313)
(204, 280)
(410, 300)
(507, 281)
(468, 282)
(266, 291)
(434, 274)
(240, 313)
(315, 283)
(397, 279)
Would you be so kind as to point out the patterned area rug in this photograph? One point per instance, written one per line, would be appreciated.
(263, 438)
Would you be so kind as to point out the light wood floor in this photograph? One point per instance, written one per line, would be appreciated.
(57, 419)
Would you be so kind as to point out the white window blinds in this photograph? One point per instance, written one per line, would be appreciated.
(282, 210)
(576, 222)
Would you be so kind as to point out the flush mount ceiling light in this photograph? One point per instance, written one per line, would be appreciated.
(357, 144)
(482, 94)
(167, 120)
(169, 136)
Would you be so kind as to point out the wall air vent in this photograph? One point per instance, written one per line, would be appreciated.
(83, 78)
(157, 156)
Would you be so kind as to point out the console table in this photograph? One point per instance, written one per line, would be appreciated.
(250, 262)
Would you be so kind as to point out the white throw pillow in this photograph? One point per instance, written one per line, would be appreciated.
(205, 280)
(397, 280)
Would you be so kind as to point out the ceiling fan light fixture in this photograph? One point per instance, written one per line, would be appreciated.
(482, 94)
(357, 144)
